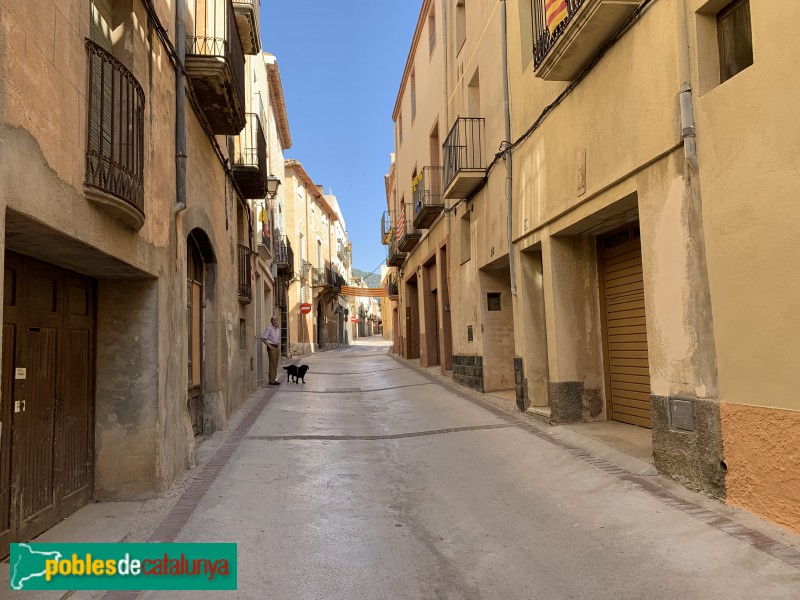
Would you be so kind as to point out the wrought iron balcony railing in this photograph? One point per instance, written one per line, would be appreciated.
(245, 273)
(115, 148)
(284, 255)
(463, 152)
(543, 40)
(391, 286)
(409, 234)
(305, 269)
(386, 228)
(248, 152)
(396, 257)
(247, 17)
(215, 62)
(428, 198)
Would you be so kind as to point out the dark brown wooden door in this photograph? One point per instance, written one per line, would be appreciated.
(48, 397)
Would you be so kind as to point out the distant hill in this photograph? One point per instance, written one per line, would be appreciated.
(373, 280)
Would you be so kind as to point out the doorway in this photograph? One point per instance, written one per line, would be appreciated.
(195, 271)
(47, 440)
(627, 368)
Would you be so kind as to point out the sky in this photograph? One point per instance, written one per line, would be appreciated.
(341, 62)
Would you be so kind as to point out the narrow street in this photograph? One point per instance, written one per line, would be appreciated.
(373, 481)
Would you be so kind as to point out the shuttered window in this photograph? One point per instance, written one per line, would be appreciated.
(102, 93)
(100, 23)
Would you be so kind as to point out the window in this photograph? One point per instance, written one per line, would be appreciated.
(413, 96)
(242, 334)
(493, 301)
(431, 32)
(400, 128)
(100, 24)
(466, 237)
(735, 39)
(461, 24)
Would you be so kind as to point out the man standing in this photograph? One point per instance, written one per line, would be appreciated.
(272, 338)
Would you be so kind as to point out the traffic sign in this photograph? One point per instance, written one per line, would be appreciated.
(354, 319)
(305, 308)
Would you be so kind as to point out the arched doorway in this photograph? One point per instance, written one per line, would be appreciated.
(195, 278)
(199, 262)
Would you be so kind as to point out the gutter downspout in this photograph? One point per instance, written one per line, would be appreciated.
(446, 94)
(685, 95)
(506, 146)
(180, 108)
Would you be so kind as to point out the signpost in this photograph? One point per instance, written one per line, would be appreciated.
(305, 308)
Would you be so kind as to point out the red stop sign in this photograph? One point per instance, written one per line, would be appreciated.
(305, 308)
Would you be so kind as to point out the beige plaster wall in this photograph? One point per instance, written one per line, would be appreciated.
(762, 453)
(748, 134)
(594, 120)
(497, 328)
(44, 127)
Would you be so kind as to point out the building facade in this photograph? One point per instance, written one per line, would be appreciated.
(311, 217)
(597, 223)
(127, 244)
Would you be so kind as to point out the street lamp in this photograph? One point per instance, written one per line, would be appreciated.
(273, 183)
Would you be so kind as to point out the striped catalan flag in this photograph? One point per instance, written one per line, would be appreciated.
(555, 11)
(400, 228)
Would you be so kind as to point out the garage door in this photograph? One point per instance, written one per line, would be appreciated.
(622, 296)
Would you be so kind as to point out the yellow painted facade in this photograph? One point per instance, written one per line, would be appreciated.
(651, 224)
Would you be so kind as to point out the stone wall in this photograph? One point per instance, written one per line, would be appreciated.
(468, 371)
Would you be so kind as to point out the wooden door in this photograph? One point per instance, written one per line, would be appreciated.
(436, 326)
(194, 316)
(48, 397)
(625, 327)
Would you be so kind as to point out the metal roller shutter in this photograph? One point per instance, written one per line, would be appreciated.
(627, 365)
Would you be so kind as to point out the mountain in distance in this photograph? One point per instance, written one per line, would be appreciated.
(373, 280)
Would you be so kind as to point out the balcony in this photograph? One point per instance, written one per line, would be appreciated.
(245, 274)
(114, 177)
(215, 64)
(409, 235)
(392, 289)
(247, 17)
(560, 56)
(465, 164)
(305, 270)
(428, 199)
(248, 152)
(396, 258)
(319, 277)
(386, 229)
(284, 256)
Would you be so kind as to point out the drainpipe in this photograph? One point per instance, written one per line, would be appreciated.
(445, 92)
(685, 95)
(180, 108)
(506, 145)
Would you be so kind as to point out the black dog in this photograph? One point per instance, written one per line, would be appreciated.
(296, 372)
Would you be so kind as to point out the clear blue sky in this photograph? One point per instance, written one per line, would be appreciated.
(341, 62)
